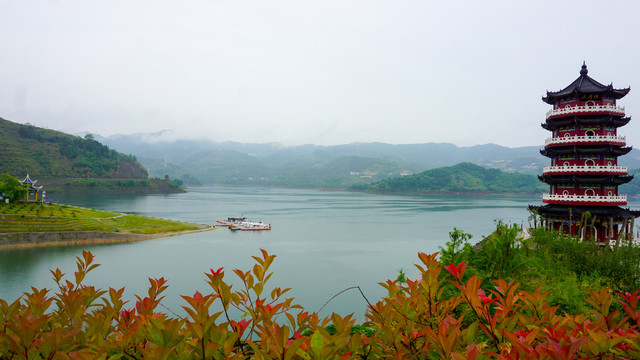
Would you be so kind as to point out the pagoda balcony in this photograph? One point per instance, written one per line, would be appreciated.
(584, 199)
(588, 110)
(585, 170)
(581, 140)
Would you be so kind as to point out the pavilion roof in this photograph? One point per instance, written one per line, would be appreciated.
(28, 180)
(584, 84)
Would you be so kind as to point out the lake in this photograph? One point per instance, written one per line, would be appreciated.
(325, 242)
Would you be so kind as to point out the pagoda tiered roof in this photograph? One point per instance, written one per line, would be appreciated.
(28, 181)
(577, 120)
(586, 179)
(584, 84)
(585, 149)
(31, 184)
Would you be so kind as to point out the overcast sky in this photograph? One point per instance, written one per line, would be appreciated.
(311, 72)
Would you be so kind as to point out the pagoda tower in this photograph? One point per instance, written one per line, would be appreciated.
(584, 175)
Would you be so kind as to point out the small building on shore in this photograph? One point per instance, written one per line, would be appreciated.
(33, 190)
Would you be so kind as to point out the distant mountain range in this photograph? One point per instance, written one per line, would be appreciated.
(208, 162)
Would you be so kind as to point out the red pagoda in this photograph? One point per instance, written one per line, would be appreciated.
(584, 175)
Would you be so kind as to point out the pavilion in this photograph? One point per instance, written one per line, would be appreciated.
(33, 190)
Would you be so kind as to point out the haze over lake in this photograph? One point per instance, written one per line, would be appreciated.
(325, 242)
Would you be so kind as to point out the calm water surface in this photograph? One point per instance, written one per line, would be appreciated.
(324, 242)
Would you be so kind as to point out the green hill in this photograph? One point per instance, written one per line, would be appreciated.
(632, 188)
(460, 178)
(47, 153)
(67, 163)
(341, 172)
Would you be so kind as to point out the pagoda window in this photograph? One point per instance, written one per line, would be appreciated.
(590, 133)
(590, 103)
(567, 135)
(566, 192)
(590, 192)
(610, 193)
(566, 163)
(590, 162)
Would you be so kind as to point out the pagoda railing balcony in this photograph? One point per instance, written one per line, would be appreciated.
(585, 199)
(617, 110)
(576, 169)
(571, 140)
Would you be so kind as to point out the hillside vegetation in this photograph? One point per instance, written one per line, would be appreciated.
(341, 172)
(45, 153)
(460, 178)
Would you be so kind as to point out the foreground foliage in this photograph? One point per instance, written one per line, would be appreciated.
(442, 315)
(11, 188)
(564, 266)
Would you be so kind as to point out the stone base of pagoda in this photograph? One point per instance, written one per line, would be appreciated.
(605, 223)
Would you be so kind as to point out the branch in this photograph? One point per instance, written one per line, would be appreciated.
(350, 288)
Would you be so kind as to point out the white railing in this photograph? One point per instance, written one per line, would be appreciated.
(618, 140)
(618, 199)
(581, 109)
(610, 169)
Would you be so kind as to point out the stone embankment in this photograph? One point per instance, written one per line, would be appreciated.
(55, 238)
(33, 239)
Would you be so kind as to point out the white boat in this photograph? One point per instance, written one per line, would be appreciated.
(250, 226)
(231, 221)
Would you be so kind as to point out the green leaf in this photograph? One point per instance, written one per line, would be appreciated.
(317, 342)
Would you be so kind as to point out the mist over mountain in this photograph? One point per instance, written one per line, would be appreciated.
(208, 162)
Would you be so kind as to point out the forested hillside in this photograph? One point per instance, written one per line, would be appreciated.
(342, 172)
(632, 188)
(47, 153)
(460, 178)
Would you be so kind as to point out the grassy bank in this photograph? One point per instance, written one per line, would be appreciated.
(32, 218)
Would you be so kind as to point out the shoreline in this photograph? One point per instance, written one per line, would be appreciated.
(27, 240)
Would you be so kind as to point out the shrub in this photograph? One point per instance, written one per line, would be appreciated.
(416, 320)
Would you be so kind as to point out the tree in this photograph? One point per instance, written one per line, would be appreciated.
(11, 188)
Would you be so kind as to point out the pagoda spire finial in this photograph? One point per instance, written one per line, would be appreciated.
(584, 70)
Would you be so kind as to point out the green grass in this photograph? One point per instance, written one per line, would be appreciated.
(21, 217)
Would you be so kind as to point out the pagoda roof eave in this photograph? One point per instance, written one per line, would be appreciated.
(553, 97)
(553, 124)
(585, 149)
(585, 84)
(586, 179)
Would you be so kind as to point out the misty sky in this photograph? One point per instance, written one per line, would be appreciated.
(311, 72)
